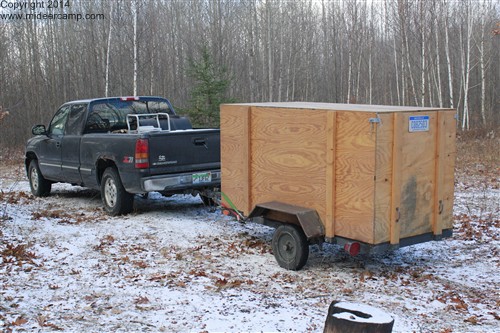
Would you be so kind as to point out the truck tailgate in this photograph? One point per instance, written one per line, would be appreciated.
(184, 151)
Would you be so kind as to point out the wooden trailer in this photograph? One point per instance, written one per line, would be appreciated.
(367, 177)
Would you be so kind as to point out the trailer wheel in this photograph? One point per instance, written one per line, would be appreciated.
(40, 187)
(290, 247)
(116, 199)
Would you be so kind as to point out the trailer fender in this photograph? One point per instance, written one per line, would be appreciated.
(275, 213)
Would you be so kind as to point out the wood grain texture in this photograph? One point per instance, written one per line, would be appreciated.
(417, 179)
(355, 170)
(369, 182)
(235, 155)
(448, 168)
(331, 156)
(289, 157)
(383, 178)
(397, 157)
(445, 166)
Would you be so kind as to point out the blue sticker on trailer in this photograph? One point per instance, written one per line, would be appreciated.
(418, 124)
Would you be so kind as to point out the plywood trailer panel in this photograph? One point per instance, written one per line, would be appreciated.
(288, 157)
(445, 167)
(384, 159)
(417, 179)
(235, 154)
(354, 174)
(367, 172)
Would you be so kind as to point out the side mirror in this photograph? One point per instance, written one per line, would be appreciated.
(38, 130)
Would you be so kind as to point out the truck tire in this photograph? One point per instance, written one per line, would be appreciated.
(115, 199)
(40, 187)
(290, 247)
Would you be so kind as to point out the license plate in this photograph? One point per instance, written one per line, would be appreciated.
(199, 178)
(419, 124)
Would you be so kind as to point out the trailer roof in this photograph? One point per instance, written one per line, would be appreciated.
(343, 107)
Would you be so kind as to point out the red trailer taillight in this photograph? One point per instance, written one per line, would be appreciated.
(142, 154)
(352, 248)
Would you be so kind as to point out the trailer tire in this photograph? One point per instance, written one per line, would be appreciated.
(116, 200)
(290, 247)
(40, 187)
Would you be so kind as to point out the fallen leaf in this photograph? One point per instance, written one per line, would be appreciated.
(472, 320)
(140, 264)
(19, 321)
(141, 300)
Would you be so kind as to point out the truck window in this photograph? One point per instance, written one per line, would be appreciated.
(58, 122)
(112, 115)
(74, 124)
(103, 117)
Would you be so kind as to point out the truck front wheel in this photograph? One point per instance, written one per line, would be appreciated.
(290, 247)
(116, 199)
(40, 187)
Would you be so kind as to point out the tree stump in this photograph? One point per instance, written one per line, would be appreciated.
(347, 317)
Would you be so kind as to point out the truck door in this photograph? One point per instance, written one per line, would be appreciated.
(50, 148)
(70, 145)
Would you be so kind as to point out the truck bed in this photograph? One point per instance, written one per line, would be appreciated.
(170, 152)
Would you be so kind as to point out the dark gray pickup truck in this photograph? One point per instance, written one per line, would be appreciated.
(123, 146)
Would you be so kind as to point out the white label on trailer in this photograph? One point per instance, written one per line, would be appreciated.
(418, 124)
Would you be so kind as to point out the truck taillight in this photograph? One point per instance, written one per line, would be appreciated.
(142, 154)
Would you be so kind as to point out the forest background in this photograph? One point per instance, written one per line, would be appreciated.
(200, 53)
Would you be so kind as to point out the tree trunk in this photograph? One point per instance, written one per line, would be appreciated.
(135, 49)
(483, 64)
(269, 52)
(466, 67)
(346, 317)
(397, 71)
(438, 64)
(422, 27)
(448, 60)
(108, 51)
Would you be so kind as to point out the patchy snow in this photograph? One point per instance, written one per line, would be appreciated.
(362, 313)
(173, 265)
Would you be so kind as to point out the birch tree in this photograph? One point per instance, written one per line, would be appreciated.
(108, 50)
(465, 39)
(135, 47)
(447, 52)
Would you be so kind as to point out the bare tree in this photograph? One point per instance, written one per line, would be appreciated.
(392, 52)
(447, 52)
(466, 39)
(135, 11)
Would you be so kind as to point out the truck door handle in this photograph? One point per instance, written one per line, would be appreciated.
(200, 142)
(58, 144)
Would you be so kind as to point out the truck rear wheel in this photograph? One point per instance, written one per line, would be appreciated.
(116, 200)
(290, 247)
(40, 187)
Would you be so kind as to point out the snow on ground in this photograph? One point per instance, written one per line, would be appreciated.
(174, 266)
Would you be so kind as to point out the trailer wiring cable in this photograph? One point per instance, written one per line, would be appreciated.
(232, 208)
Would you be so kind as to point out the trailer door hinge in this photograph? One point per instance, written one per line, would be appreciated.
(374, 121)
